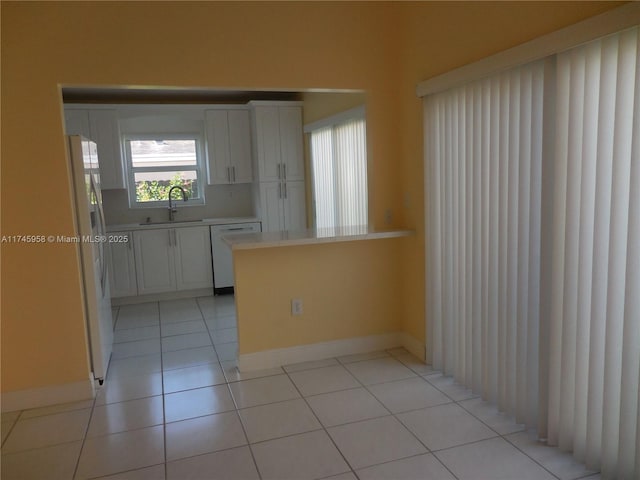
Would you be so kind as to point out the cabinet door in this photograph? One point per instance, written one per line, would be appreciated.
(291, 153)
(155, 269)
(295, 212)
(106, 133)
(122, 274)
(101, 126)
(217, 130)
(76, 122)
(240, 146)
(193, 258)
(271, 207)
(267, 135)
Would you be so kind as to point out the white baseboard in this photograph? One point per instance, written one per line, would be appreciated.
(45, 396)
(416, 347)
(335, 348)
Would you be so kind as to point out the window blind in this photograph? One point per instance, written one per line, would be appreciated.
(339, 167)
(574, 372)
(595, 310)
(484, 142)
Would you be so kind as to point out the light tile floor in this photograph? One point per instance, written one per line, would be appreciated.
(174, 406)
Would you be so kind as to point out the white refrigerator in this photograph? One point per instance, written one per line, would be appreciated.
(93, 250)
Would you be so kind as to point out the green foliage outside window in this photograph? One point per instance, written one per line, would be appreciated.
(158, 190)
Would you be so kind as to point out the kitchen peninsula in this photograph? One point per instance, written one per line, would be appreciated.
(317, 294)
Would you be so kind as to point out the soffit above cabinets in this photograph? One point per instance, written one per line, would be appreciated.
(133, 95)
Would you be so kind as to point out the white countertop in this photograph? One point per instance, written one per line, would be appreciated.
(186, 223)
(248, 241)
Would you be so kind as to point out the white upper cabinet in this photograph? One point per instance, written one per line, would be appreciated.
(76, 122)
(217, 128)
(240, 146)
(267, 137)
(228, 147)
(291, 143)
(101, 126)
(278, 136)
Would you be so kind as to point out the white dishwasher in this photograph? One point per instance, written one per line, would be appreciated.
(221, 253)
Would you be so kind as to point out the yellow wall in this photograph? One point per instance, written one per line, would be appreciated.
(349, 289)
(382, 48)
(435, 38)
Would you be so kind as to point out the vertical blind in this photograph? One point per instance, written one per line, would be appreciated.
(575, 372)
(484, 142)
(594, 347)
(339, 165)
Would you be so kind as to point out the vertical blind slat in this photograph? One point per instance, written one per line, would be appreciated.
(629, 458)
(601, 251)
(618, 249)
(571, 245)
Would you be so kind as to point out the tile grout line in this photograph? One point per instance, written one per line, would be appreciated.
(233, 399)
(324, 429)
(429, 451)
(93, 406)
(365, 387)
(164, 417)
(499, 435)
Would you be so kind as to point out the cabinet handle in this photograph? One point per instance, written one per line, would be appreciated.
(285, 190)
(228, 176)
(234, 174)
(284, 170)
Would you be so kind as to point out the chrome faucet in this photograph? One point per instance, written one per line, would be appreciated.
(172, 208)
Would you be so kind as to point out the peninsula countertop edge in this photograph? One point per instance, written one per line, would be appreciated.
(251, 241)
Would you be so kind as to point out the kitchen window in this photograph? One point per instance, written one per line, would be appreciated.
(339, 168)
(157, 163)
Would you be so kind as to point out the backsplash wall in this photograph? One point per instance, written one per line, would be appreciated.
(220, 201)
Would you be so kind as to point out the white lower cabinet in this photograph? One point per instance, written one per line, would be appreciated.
(122, 274)
(193, 258)
(172, 259)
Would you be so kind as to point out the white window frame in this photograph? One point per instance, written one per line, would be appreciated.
(131, 170)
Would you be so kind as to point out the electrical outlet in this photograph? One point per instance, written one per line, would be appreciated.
(296, 306)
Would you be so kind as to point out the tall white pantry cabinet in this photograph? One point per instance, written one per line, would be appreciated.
(279, 190)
